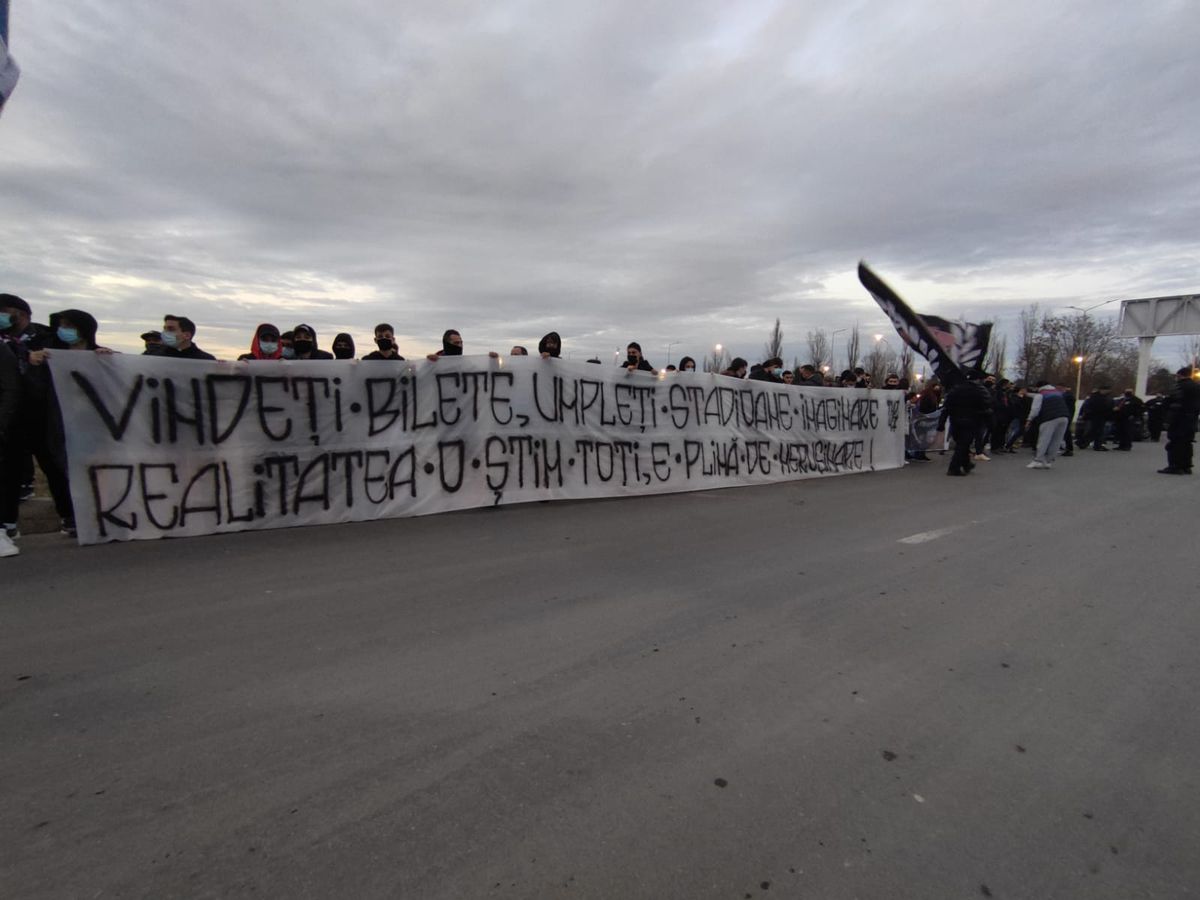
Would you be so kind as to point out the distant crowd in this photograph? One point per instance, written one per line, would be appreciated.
(983, 412)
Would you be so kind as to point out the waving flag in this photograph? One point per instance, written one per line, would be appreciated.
(8, 65)
(912, 328)
(965, 342)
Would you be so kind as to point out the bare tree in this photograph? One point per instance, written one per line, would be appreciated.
(1190, 355)
(774, 345)
(819, 350)
(1027, 351)
(1051, 344)
(717, 362)
(878, 362)
(852, 347)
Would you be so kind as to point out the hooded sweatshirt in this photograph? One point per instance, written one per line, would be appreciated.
(552, 336)
(77, 318)
(449, 349)
(315, 353)
(343, 337)
(256, 350)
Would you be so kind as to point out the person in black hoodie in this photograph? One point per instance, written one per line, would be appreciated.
(1182, 407)
(1096, 411)
(1126, 415)
(1155, 410)
(766, 371)
(550, 346)
(968, 406)
(304, 342)
(452, 345)
(72, 330)
(343, 346)
(634, 361)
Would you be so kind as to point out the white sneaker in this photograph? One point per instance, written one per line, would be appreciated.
(982, 457)
(1037, 465)
(7, 547)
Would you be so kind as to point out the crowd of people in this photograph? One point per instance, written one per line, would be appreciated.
(983, 413)
(986, 414)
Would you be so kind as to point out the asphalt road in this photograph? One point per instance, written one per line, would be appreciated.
(888, 685)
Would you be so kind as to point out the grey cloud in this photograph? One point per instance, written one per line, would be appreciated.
(622, 170)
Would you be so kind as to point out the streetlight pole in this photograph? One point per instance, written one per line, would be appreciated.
(669, 346)
(1078, 376)
(833, 346)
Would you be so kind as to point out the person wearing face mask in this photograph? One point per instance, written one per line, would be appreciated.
(343, 346)
(177, 335)
(18, 329)
(767, 371)
(452, 345)
(286, 349)
(152, 343)
(385, 342)
(23, 335)
(73, 330)
(738, 368)
(550, 346)
(687, 364)
(634, 361)
(304, 342)
(265, 344)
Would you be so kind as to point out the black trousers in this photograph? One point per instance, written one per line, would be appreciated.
(11, 473)
(1124, 432)
(963, 434)
(30, 436)
(1179, 446)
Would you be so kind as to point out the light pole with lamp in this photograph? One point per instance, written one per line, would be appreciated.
(669, 346)
(1078, 360)
(833, 346)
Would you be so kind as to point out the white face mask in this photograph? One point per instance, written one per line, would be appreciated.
(268, 347)
(170, 338)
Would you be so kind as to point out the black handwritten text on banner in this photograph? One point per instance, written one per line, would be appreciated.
(168, 447)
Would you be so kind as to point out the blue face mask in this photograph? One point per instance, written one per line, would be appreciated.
(268, 347)
(68, 335)
(289, 352)
(170, 338)
(5, 321)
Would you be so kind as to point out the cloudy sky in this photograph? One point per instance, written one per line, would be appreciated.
(677, 172)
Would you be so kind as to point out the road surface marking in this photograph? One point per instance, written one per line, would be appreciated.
(922, 536)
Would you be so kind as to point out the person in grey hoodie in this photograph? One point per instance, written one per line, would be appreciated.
(1049, 410)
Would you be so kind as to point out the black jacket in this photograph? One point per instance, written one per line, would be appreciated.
(10, 389)
(968, 402)
(1183, 405)
(1096, 408)
(192, 352)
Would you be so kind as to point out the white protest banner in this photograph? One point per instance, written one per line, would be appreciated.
(160, 447)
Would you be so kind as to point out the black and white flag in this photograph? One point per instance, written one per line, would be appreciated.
(8, 74)
(966, 342)
(912, 329)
